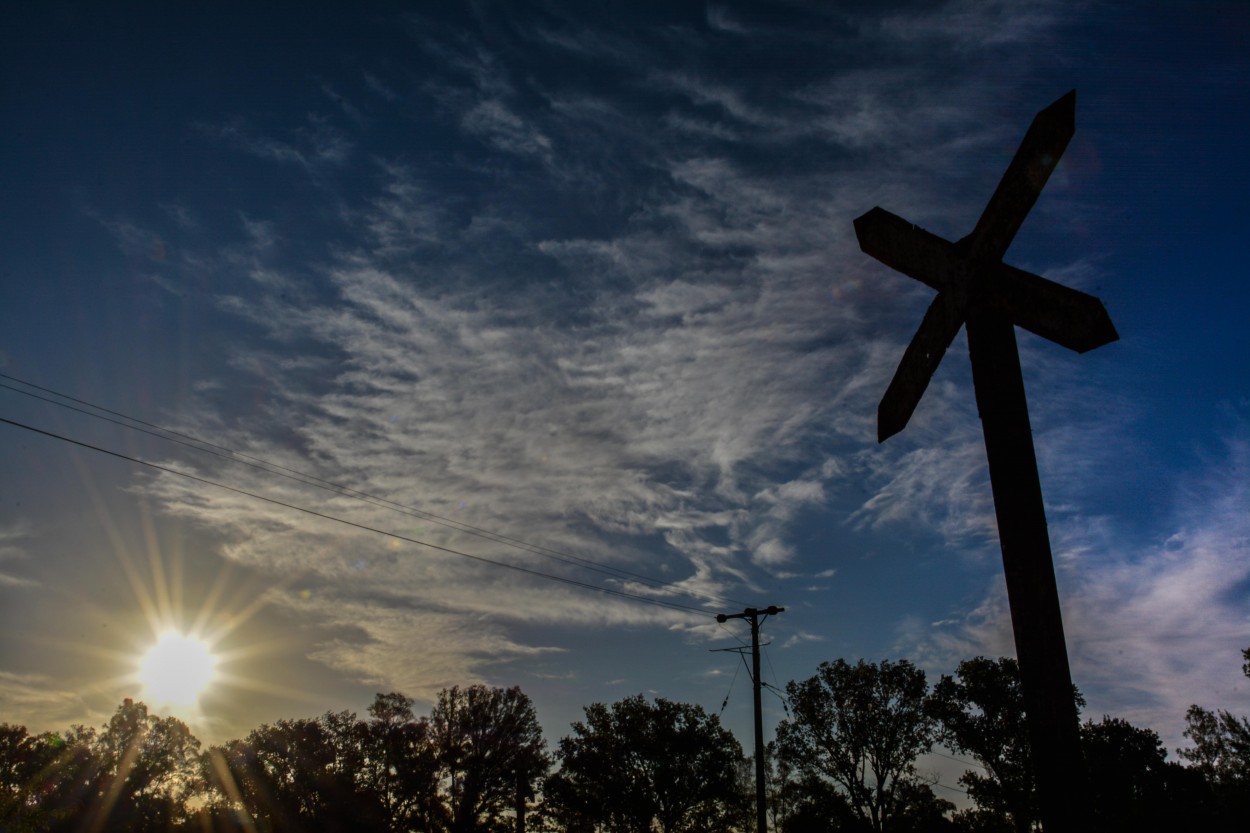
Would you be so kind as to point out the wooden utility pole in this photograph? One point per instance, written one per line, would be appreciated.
(976, 289)
(755, 617)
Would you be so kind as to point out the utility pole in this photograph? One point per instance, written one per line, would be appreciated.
(755, 617)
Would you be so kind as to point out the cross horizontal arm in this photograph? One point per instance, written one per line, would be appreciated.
(936, 332)
(1057, 313)
(1065, 316)
(905, 247)
(1024, 179)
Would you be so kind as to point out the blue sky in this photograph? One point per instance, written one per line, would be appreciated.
(588, 280)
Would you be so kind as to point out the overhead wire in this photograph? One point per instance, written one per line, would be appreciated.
(960, 760)
(482, 559)
(952, 789)
(269, 467)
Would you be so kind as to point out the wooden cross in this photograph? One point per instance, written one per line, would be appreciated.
(976, 289)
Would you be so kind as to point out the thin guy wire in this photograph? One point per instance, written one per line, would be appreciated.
(725, 703)
(733, 635)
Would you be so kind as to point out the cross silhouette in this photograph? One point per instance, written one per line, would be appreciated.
(977, 290)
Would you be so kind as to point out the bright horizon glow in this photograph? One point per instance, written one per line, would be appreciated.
(177, 669)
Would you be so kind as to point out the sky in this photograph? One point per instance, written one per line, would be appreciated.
(485, 308)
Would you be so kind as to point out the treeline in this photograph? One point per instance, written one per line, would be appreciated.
(846, 759)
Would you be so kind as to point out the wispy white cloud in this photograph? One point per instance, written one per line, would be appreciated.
(666, 384)
(379, 87)
(13, 549)
(1150, 631)
(500, 125)
(723, 20)
(41, 703)
(967, 24)
(800, 637)
(350, 110)
(315, 144)
(135, 240)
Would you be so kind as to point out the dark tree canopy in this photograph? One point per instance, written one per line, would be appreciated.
(44, 779)
(1135, 787)
(1221, 754)
(844, 763)
(139, 773)
(980, 712)
(861, 727)
(401, 765)
(635, 765)
(491, 753)
(146, 770)
(299, 774)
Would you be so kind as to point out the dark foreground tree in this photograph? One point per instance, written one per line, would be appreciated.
(145, 769)
(491, 754)
(637, 765)
(814, 805)
(980, 712)
(1135, 787)
(861, 727)
(138, 774)
(43, 779)
(401, 765)
(297, 775)
(1221, 752)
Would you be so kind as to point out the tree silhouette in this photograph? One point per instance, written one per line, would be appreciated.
(145, 770)
(299, 775)
(844, 762)
(862, 728)
(1221, 752)
(1135, 787)
(402, 765)
(980, 712)
(490, 751)
(40, 778)
(637, 764)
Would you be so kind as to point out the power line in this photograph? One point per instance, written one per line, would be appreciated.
(960, 760)
(952, 789)
(269, 467)
(526, 570)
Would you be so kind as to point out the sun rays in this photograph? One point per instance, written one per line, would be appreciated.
(187, 633)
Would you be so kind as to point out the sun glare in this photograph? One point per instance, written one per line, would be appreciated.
(177, 669)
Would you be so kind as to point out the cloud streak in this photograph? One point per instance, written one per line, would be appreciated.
(660, 348)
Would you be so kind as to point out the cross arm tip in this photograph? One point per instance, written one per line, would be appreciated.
(1062, 112)
(888, 422)
(866, 221)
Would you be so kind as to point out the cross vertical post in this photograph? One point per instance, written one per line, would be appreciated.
(977, 290)
(1032, 595)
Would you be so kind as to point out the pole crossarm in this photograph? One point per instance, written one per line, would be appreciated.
(750, 613)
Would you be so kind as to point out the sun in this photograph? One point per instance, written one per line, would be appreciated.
(177, 669)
